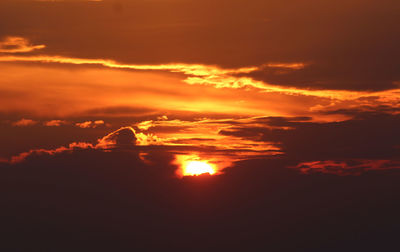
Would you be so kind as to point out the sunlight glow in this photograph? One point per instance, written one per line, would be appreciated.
(193, 165)
(194, 168)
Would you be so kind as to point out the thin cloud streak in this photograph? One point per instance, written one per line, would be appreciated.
(18, 45)
(353, 167)
(189, 69)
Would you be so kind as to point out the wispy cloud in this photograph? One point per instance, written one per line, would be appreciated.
(346, 167)
(18, 45)
(198, 74)
(189, 69)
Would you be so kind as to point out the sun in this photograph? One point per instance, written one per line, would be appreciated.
(195, 168)
(194, 165)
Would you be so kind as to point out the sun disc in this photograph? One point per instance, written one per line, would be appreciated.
(195, 168)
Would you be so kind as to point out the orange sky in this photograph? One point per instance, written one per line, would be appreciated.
(199, 125)
(183, 73)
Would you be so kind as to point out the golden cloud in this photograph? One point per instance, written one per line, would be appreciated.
(18, 45)
(213, 76)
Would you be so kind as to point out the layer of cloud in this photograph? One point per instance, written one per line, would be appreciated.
(126, 203)
(220, 78)
(366, 136)
(124, 138)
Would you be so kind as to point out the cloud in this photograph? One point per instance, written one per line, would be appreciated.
(145, 125)
(84, 125)
(124, 137)
(197, 74)
(90, 124)
(239, 78)
(265, 33)
(318, 91)
(17, 45)
(124, 202)
(347, 167)
(127, 137)
(189, 69)
(148, 139)
(204, 132)
(54, 123)
(293, 65)
(366, 136)
(38, 152)
(325, 75)
(213, 145)
(24, 122)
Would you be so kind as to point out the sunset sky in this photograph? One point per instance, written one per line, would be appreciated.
(221, 123)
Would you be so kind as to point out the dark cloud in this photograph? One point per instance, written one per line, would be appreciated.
(365, 111)
(14, 140)
(368, 136)
(123, 138)
(347, 167)
(347, 74)
(95, 200)
(108, 197)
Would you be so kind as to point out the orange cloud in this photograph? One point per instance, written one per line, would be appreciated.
(54, 123)
(58, 92)
(212, 75)
(90, 124)
(189, 69)
(294, 65)
(24, 122)
(206, 134)
(211, 90)
(18, 45)
(84, 125)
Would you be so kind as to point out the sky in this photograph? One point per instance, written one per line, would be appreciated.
(199, 125)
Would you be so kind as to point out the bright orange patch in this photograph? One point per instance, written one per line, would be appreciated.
(194, 168)
(192, 165)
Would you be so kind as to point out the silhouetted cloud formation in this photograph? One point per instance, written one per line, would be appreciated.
(124, 137)
(95, 200)
(367, 136)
